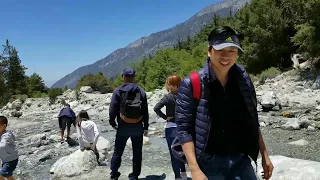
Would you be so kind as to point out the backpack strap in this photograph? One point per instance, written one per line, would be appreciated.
(138, 96)
(196, 85)
(124, 97)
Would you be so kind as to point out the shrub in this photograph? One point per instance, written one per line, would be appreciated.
(53, 93)
(269, 73)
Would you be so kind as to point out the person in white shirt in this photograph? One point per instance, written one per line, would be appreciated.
(88, 133)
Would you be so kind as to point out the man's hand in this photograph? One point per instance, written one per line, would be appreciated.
(267, 167)
(169, 118)
(198, 175)
(145, 133)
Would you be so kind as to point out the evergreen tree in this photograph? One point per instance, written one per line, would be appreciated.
(35, 84)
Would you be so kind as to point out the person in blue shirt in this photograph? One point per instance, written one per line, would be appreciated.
(129, 116)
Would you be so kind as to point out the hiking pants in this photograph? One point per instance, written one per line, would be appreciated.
(120, 143)
(177, 165)
(219, 166)
(64, 122)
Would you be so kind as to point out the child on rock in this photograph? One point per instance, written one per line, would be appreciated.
(8, 153)
(88, 133)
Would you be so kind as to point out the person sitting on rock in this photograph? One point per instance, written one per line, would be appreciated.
(87, 133)
(169, 100)
(129, 106)
(66, 118)
(216, 115)
(8, 153)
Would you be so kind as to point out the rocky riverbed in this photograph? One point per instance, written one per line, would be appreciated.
(288, 110)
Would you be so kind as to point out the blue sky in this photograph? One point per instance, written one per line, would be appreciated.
(56, 37)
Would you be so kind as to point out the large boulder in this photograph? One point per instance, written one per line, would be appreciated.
(103, 145)
(86, 89)
(77, 163)
(270, 101)
(17, 104)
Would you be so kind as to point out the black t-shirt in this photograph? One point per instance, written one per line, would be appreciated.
(229, 115)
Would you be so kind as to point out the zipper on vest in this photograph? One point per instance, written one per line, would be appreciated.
(206, 140)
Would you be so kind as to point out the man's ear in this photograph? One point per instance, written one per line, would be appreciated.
(209, 51)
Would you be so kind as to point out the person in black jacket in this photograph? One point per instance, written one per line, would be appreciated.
(169, 100)
(132, 122)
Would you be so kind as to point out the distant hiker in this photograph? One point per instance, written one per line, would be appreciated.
(217, 118)
(8, 153)
(129, 106)
(87, 133)
(66, 118)
(169, 100)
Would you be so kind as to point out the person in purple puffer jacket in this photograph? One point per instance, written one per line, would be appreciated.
(66, 118)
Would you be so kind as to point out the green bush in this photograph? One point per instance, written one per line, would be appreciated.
(97, 82)
(53, 93)
(106, 89)
(22, 97)
(253, 77)
(38, 94)
(268, 74)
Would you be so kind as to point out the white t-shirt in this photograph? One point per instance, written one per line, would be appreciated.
(88, 134)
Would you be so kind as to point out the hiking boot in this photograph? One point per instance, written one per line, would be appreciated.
(115, 176)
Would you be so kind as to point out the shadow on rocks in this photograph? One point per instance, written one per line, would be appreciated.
(154, 177)
(72, 142)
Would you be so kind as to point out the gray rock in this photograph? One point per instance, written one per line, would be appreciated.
(75, 164)
(293, 169)
(292, 124)
(269, 100)
(86, 89)
(300, 142)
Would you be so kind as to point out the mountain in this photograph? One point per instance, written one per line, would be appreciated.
(115, 62)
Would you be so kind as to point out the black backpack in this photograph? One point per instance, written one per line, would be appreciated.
(130, 105)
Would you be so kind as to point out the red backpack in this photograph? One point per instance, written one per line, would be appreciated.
(196, 85)
(196, 89)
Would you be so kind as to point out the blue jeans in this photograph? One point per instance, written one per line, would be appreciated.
(8, 168)
(218, 167)
(177, 165)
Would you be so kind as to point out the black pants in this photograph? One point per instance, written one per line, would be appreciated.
(120, 143)
(64, 122)
(177, 165)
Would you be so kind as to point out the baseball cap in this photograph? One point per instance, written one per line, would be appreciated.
(128, 72)
(222, 41)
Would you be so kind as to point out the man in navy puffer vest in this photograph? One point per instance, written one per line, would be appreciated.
(220, 133)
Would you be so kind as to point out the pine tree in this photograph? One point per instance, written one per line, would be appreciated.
(16, 80)
(35, 84)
